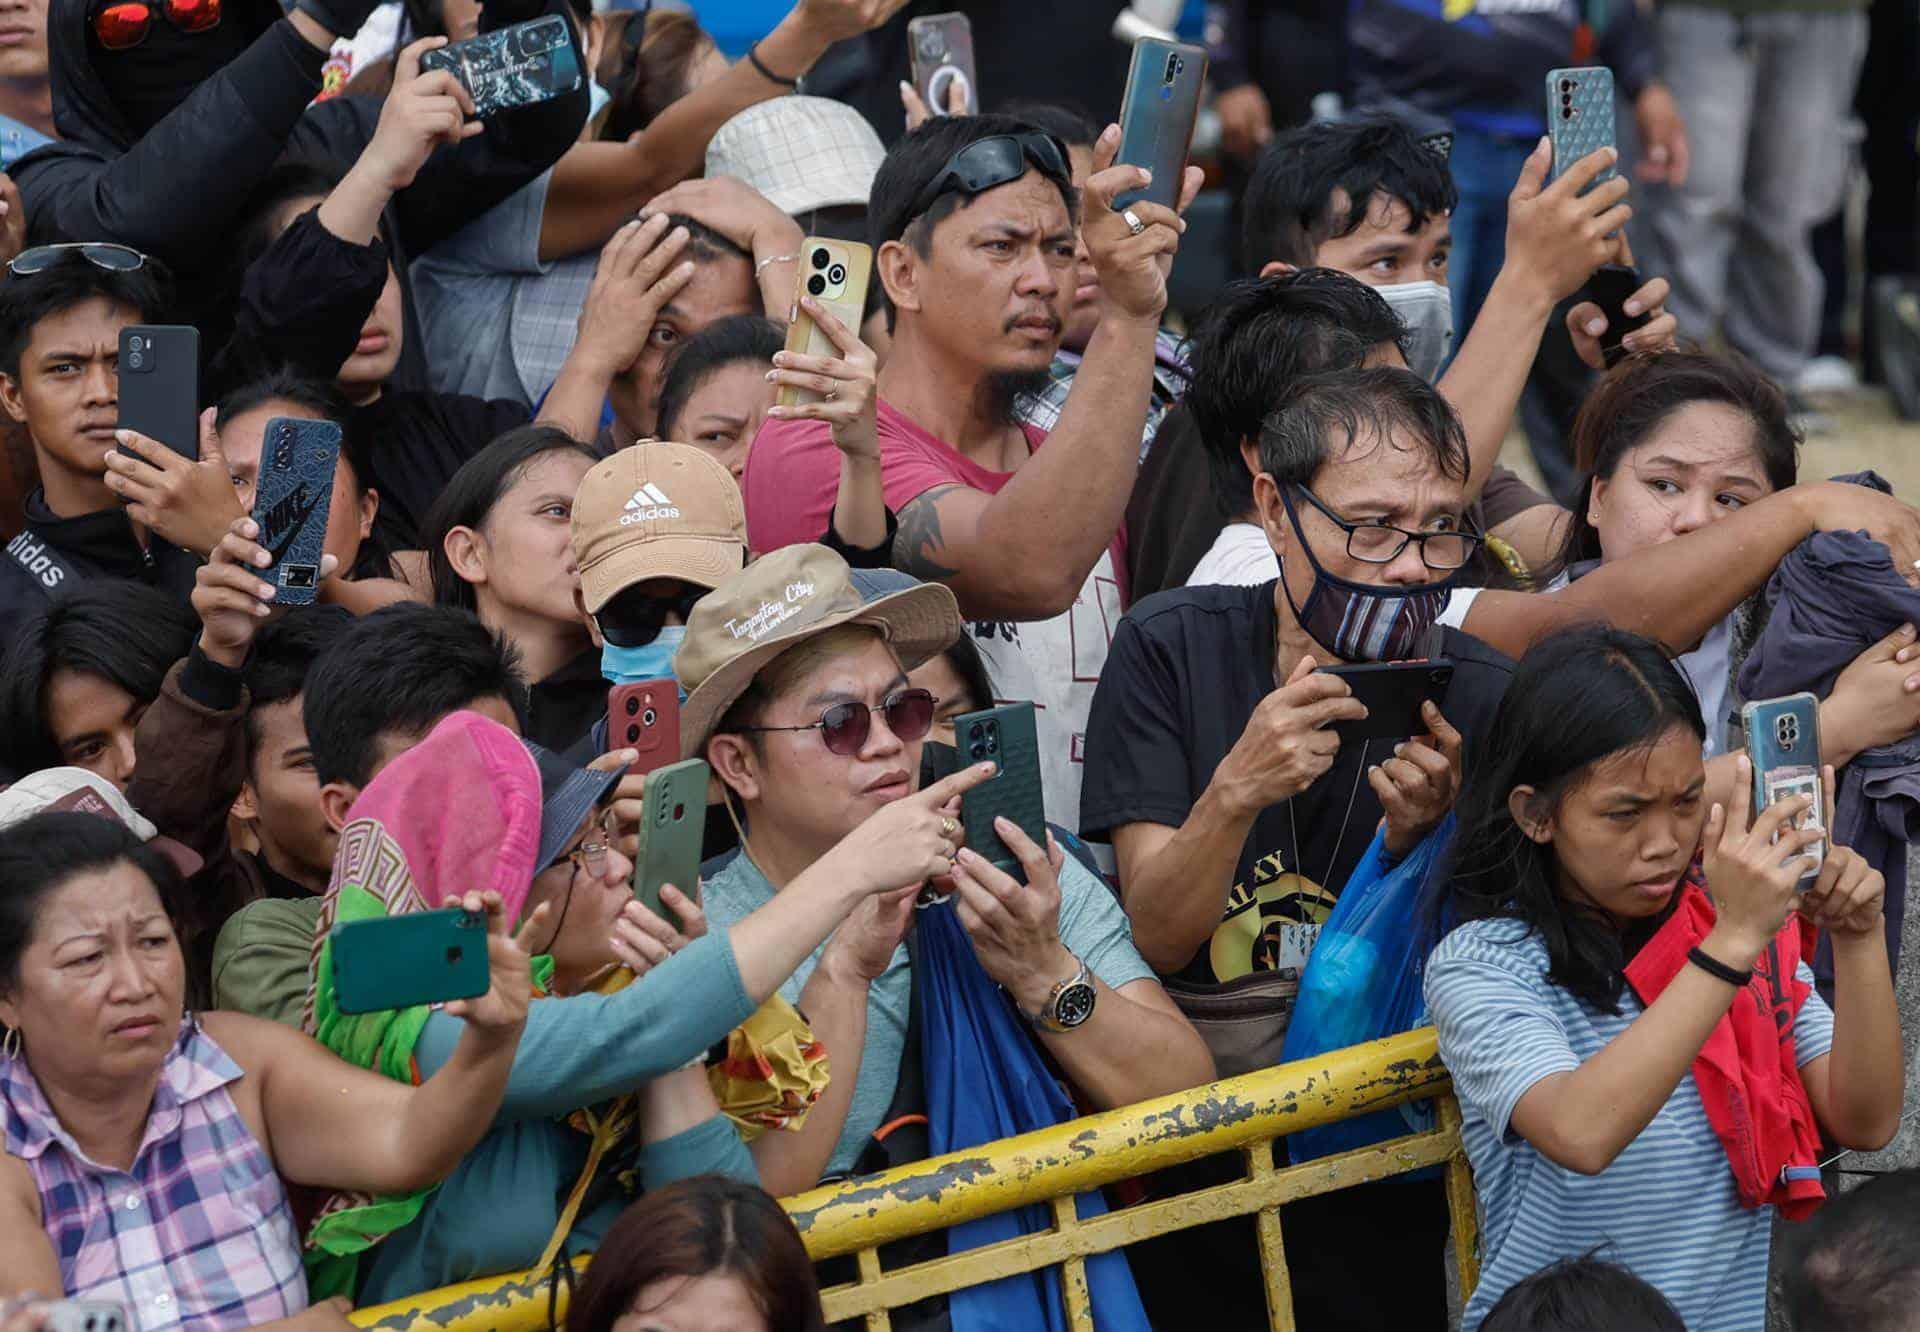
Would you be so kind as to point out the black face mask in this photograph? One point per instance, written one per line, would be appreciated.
(147, 82)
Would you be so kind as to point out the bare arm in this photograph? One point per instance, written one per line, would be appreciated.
(1025, 552)
(28, 1264)
(1857, 1086)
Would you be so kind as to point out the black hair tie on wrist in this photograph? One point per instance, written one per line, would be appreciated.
(753, 57)
(1719, 970)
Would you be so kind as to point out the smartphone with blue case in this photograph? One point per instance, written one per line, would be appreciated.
(291, 501)
(1158, 113)
(428, 957)
(1007, 737)
(1783, 743)
(673, 823)
(513, 66)
(1579, 117)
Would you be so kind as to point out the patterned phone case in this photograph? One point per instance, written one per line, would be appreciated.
(291, 500)
(515, 66)
(1783, 742)
(1007, 736)
(1157, 115)
(1579, 116)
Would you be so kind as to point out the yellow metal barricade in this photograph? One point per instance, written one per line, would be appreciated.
(1050, 1166)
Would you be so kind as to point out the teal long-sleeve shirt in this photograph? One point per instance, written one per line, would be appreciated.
(497, 1210)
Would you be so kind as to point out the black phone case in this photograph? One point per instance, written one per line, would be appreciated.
(160, 384)
(1393, 692)
(1158, 115)
(291, 502)
(515, 66)
(1007, 736)
(937, 762)
(1609, 288)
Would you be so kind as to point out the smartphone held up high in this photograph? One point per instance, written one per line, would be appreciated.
(427, 957)
(940, 53)
(1783, 744)
(1579, 116)
(835, 273)
(159, 371)
(513, 66)
(292, 500)
(1158, 113)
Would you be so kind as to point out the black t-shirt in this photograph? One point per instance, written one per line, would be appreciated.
(1186, 670)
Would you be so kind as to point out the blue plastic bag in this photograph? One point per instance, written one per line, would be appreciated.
(1363, 982)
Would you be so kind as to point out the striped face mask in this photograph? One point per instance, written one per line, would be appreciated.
(1359, 621)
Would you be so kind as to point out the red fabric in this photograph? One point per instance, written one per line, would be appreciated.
(1748, 1077)
(793, 477)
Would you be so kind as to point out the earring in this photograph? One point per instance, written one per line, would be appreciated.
(10, 1044)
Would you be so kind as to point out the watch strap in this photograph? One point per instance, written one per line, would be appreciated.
(1047, 1019)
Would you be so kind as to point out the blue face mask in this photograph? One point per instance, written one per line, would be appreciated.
(597, 100)
(630, 665)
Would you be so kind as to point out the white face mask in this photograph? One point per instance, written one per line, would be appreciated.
(598, 99)
(1426, 308)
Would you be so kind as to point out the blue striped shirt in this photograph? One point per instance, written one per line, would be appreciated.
(1665, 1208)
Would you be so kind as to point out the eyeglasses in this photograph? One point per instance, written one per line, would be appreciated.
(845, 726)
(631, 620)
(122, 25)
(592, 856)
(1377, 543)
(101, 254)
(997, 160)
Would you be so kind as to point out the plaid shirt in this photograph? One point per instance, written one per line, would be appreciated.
(198, 1234)
(1042, 410)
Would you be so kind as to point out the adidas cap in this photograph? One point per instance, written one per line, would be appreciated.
(656, 510)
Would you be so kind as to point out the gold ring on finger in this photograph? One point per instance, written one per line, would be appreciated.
(832, 393)
(948, 827)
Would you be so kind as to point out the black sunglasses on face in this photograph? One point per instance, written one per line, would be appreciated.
(632, 621)
(845, 726)
(1378, 543)
(998, 160)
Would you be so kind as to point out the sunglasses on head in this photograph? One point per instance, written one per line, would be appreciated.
(121, 25)
(631, 620)
(998, 160)
(113, 258)
(845, 726)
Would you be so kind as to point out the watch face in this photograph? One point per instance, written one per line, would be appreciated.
(1075, 1005)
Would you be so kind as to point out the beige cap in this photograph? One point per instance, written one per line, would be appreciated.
(802, 153)
(780, 600)
(83, 791)
(656, 510)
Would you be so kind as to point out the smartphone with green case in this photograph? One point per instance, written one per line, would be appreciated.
(427, 957)
(1006, 736)
(673, 822)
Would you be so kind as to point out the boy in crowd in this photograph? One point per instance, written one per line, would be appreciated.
(1856, 1263)
(61, 312)
(764, 695)
(973, 220)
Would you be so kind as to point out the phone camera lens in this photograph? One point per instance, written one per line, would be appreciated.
(649, 717)
(1173, 67)
(1566, 113)
(993, 744)
(978, 749)
(135, 344)
(820, 258)
(633, 733)
(816, 284)
(135, 360)
(633, 706)
(837, 274)
(1566, 85)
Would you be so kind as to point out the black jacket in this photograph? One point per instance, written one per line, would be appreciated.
(180, 191)
(51, 553)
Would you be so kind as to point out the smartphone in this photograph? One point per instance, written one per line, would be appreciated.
(1783, 743)
(940, 48)
(291, 501)
(513, 66)
(427, 957)
(835, 273)
(937, 763)
(645, 716)
(85, 1316)
(1609, 288)
(1579, 116)
(673, 820)
(160, 384)
(1157, 115)
(1393, 692)
(1005, 735)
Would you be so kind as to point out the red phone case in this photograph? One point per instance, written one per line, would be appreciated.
(645, 717)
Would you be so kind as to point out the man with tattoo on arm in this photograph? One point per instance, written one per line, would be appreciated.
(972, 221)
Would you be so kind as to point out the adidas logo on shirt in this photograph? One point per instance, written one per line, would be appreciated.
(647, 503)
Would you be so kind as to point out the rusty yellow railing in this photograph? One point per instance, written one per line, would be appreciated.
(1050, 1166)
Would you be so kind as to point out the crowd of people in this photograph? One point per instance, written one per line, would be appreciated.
(579, 454)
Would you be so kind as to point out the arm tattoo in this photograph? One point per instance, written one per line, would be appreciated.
(918, 547)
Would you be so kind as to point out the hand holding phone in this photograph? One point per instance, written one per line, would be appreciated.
(645, 717)
(1783, 747)
(833, 274)
(1006, 736)
(940, 56)
(1580, 117)
(159, 371)
(292, 500)
(1395, 694)
(426, 957)
(1158, 113)
(513, 66)
(1610, 288)
(673, 822)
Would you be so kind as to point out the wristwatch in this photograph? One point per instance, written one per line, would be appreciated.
(1068, 1005)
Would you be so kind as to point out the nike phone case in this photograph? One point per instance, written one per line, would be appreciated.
(940, 50)
(515, 66)
(428, 957)
(1006, 736)
(1783, 743)
(835, 273)
(645, 717)
(291, 501)
(1158, 113)
(1579, 116)
(160, 384)
(673, 821)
